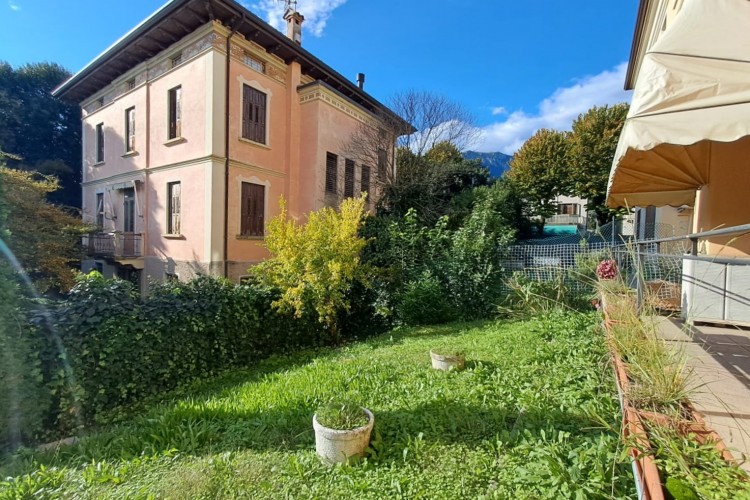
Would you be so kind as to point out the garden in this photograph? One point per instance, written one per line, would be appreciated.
(211, 389)
(533, 415)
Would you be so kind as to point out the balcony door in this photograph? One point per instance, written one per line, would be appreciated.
(128, 221)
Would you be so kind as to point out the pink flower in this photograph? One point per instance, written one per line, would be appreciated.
(606, 270)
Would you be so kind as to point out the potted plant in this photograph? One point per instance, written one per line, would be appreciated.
(447, 360)
(342, 431)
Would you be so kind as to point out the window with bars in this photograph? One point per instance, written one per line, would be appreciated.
(364, 183)
(131, 84)
(253, 209)
(174, 198)
(253, 114)
(349, 178)
(331, 172)
(175, 113)
(176, 60)
(130, 130)
(100, 143)
(254, 63)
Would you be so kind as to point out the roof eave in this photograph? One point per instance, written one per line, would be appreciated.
(638, 40)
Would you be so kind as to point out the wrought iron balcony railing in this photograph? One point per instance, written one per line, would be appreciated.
(114, 245)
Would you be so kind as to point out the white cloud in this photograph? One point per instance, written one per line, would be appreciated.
(316, 12)
(556, 111)
(499, 111)
(13, 6)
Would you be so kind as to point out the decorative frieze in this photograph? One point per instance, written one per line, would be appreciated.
(321, 93)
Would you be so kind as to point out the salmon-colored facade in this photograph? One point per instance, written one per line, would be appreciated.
(157, 178)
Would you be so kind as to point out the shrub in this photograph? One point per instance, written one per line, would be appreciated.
(464, 264)
(473, 273)
(424, 301)
(313, 265)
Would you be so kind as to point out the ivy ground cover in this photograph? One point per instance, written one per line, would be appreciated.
(534, 415)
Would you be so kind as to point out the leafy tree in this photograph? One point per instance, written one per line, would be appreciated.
(503, 198)
(428, 183)
(442, 153)
(313, 265)
(593, 142)
(539, 171)
(44, 238)
(42, 130)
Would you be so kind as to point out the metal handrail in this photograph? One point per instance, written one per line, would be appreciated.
(704, 234)
(693, 255)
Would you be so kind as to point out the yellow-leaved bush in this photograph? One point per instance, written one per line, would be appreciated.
(314, 264)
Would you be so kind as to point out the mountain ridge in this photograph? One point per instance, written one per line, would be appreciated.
(498, 163)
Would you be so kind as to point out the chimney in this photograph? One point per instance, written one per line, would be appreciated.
(294, 24)
(361, 80)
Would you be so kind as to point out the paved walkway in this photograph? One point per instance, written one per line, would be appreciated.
(720, 359)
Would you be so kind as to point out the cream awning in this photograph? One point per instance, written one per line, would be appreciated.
(692, 95)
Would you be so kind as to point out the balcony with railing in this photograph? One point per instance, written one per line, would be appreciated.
(566, 220)
(115, 245)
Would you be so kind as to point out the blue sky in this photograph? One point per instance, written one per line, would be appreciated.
(516, 65)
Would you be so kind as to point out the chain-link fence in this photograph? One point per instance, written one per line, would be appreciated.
(572, 259)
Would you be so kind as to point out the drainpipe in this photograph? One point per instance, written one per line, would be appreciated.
(226, 147)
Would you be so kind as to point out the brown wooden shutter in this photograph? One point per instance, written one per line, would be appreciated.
(258, 196)
(382, 164)
(253, 114)
(253, 209)
(245, 209)
(331, 172)
(364, 184)
(260, 117)
(349, 178)
(247, 107)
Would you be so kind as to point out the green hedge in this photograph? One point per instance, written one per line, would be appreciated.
(120, 348)
(24, 402)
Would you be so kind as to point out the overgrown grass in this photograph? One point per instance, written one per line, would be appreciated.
(534, 415)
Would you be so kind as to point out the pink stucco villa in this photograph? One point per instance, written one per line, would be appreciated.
(195, 123)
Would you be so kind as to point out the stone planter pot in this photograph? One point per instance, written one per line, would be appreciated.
(338, 446)
(447, 362)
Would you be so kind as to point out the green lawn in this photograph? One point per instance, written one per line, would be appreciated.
(534, 415)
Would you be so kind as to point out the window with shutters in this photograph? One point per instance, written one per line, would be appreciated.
(349, 178)
(332, 172)
(174, 195)
(130, 130)
(175, 113)
(100, 143)
(253, 209)
(253, 114)
(382, 163)
(364, 184)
